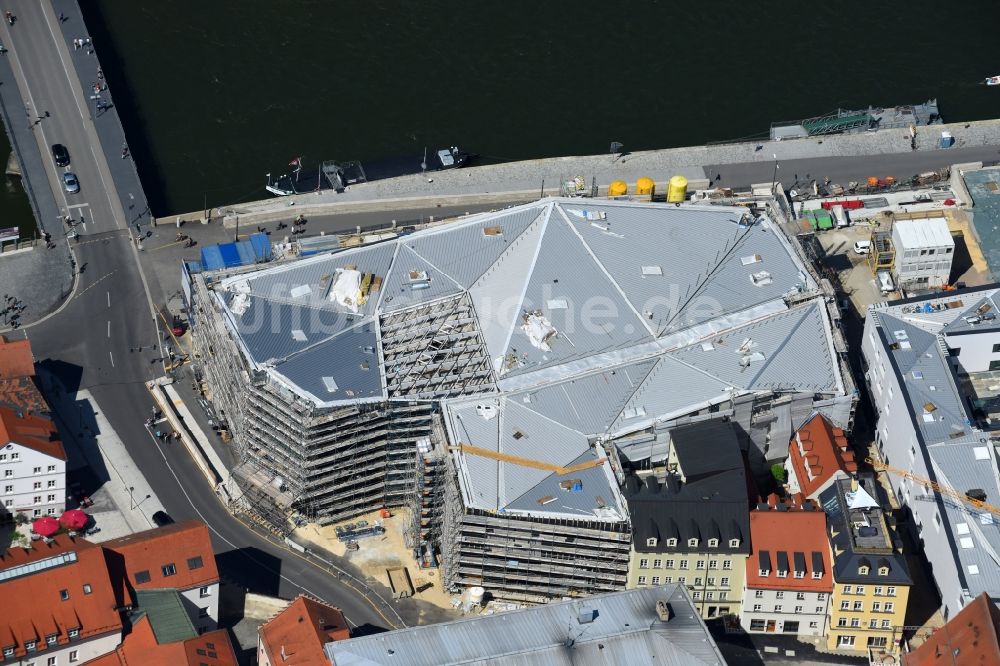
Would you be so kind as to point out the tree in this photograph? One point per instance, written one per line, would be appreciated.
(778, 472)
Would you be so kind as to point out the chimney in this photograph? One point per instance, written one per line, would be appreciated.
(854, 484)
(664, 610)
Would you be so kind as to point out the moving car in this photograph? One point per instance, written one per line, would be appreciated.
(60, 155)
(70, 183)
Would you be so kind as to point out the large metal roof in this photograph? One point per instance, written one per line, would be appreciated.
(598, 318)
(616, 628)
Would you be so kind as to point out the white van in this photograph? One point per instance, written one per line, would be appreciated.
(885, 283)
(862, 247)
(840, 215)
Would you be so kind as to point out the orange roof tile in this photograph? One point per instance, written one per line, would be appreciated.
(969, 639)
(35, 432)
(824, 457)
(185, 545)
(297, 634)
(140, 648)
(54, 599)
(16, 359)
(789, 532)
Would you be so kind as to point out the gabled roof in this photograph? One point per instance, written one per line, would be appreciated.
(817, 452)
(801, 535)
(143, 646)
(17, 385)
(43, 592)
(34, 432)
(16, 359)
(602, 629)
(297, 634)
(186, 545)
(968, 639)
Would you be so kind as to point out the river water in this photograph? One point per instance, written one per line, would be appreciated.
(216, 94)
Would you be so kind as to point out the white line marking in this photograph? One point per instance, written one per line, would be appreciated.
(112, 359)
(109, 301)
(83, 205)
(109, 328)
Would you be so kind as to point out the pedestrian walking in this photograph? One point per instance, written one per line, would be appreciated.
(62, 17)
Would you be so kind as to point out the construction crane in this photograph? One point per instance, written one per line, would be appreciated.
(936, 487)
(468, 449)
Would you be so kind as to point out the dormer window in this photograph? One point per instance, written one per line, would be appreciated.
(863, 570)
(51, 639)
(764, 573)
(883, 571)
(800, 574)
(817, 574)
(734, 543)
(74, 632)
(782, 574)
(713, 543)
(651, 542)
(8, 651)
(29, 646)
(671, 543)
(692, 543)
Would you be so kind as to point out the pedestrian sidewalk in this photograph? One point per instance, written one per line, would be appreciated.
(124, 501)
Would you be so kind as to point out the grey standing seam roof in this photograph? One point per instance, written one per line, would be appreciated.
(342, 368)
(625, 629)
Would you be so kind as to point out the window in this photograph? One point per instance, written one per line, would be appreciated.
(820, 609)
(51, 639)
(670, 564)
(723, 595)
(878, 590)
(798, 609)
(8, 473)
(168, 569)
(800, 574)
(855, 622)
(29, 646)
(847, 589)
(651, 542)
(859, 589)
(51, 483)
(696, 595)
(74, 633)
(3, 457)
(779, 595)
(51, 498)
(692, 542)
(757, 625)
(8, 503)
(668, 579)
(142, 576)
(813, 625)
(727, 565)
(862, 570)
(682, 579)
(777, 608)
(643, 563)
(697, 580)
(842, 622)
(37, 485)
(891, 590)
(684, 564)
(710, 582)
(764, 573)
(657, 563)
(873, 624)
(38, 499)
(87, 589)
(203, 612)
(52, 661)
(889, 607)
(845, 605)
(724, 582)
(37, 470)
(700, 565)
(757, 607)
(859, 605)
(876, 607)
(996, 349)
(821, 596)
(8, 652)
(782, 574)
(656, 580)
(799, 596)
(817, 574)
(713, 543)
(734, 543)
(15, 456)
(758, 594)
(886, 624)
(204, 592)
(74, 656)
(8, 489)
(64, 595)
(51, 468)
(713, 564)
(883, 571)
(845, 640)
(672, 543)
(642, 580)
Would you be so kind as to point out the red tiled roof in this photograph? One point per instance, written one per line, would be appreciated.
(16, 359)
(34, 601)
(828, 452)
(297, 634)
(140, 647)
(35, 432)
(180, 544)
(969, 639)
(789, 532)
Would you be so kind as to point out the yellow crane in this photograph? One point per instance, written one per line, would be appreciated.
(471, 450)
(935, 486)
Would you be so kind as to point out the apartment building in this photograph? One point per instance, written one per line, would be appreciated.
(818, 455)
(692, 526)
(932, 368)
(789, 578)
(298, 634)
(870, 575)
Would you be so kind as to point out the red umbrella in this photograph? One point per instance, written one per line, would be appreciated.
(46, 526)
(74, 519)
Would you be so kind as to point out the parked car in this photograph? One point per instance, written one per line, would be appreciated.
(162, 519)
(70, 183)
(862, 247)
(60, 155)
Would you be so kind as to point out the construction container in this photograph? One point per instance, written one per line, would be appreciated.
(677, 189)
(645, 186)
(617, 188)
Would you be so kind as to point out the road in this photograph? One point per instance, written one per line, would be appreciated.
(105, 338)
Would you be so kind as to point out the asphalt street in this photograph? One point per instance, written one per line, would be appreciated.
(105, 338)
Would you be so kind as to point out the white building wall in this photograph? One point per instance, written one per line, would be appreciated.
(976, 349)
(897, 441)
(810, 611)
(92, 648)
(927, 261)
(207, 598)
(31, 482)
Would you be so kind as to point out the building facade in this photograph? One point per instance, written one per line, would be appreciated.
(870, 575)
(789, 580)
(924, 251)
(298, 634)
(32, 466)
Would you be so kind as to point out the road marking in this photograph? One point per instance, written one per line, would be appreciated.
(109, 301)
(112, 357)
(109, 328)
(83, 205)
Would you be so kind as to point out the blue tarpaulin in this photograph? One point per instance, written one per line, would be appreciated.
(241, 253)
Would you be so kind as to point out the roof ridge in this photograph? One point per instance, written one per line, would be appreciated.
(541, 217)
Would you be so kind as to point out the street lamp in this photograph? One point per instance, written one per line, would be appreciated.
(774, 174)
(131, 500)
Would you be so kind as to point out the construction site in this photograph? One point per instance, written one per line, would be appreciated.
(492, 375)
